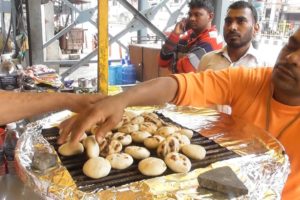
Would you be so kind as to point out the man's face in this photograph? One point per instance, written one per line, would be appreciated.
(286, 73)
(239, 27)
(198, 19)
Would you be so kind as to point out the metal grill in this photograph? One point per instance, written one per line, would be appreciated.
(74, 164)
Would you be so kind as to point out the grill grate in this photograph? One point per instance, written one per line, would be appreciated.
(74, 164)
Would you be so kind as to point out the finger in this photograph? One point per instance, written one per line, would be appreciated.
(105, 127)
(65, 128)
(83, 123)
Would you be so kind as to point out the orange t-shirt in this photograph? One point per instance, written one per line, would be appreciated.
(246, 91)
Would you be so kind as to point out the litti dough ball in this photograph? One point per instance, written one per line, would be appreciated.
(96, 167)
(137, 120)
(178, 162)
(151, 117)
(137, 152)
(129, 114)
(125, 120)
(171, 144)
(152, 166)
(128, 128)
(194, 151)
(149, 127)
(150, 114)
(69, 149)
(187, 132)
(114, 146)
(166, 131)
(120, 160)
(140, 136)
(152, 142)
(91, 146)
(183, 139)
(123, 138)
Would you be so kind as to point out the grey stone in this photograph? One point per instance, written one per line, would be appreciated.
(223, 180)
(43, 161)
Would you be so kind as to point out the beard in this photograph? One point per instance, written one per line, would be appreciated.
(240, 40)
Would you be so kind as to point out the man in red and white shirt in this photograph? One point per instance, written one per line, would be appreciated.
(200, 38)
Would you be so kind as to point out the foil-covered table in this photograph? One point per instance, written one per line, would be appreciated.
(12, 188)
(262, 166)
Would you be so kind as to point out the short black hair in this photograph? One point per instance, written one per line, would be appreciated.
(205, 4)
(244, 4)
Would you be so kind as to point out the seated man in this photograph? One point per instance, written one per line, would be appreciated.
(267, 97)
(201, 38)
(240, 28)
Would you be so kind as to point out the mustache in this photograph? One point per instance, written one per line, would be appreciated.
(287, 67)
(231, 33)
(285, 64)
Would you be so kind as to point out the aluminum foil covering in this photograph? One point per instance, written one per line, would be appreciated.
(263, 166)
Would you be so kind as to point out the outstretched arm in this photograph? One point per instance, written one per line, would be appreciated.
(108, 112)
(154, 92)
(15, 106)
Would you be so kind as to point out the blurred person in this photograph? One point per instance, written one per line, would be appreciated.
(240, 29)
(268, 97)
(191, 39)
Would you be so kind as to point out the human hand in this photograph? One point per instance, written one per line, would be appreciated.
(81, 102)
(180, 26)
(106, 113)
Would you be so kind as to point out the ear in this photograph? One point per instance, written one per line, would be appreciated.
(256, 29)
(211, 16)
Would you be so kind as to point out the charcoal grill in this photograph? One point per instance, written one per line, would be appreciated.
(74, 164)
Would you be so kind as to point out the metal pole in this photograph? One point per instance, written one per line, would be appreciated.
(220, 12)
(142, 19)
(103, 46)
(143, 32)
(35, 33)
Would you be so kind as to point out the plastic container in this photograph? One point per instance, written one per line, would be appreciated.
(124, 62)
(118, 74)
(10, 142)
(112, 75)
(129, 75)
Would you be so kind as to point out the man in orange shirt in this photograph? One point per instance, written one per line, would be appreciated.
(267, 97)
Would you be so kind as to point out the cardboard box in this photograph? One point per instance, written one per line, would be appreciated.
(145, 58)
(73, 40)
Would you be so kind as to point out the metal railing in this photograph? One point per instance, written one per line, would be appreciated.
(284, 29)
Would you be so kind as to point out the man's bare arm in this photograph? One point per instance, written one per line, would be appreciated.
(15, 106)
(154, 92)
(108, 112)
